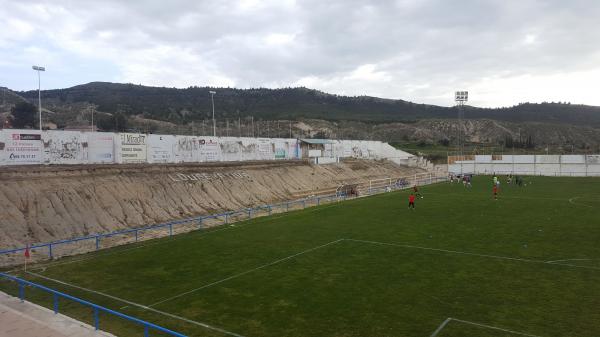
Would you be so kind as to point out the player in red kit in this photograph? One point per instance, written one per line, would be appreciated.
(495, 190)
(411, 201)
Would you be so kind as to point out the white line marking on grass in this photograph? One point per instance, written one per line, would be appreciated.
(141, 306)
(572, 201)
(471, 254)
(246, 272)
(493, 327)
(554, 261)
(441, 327)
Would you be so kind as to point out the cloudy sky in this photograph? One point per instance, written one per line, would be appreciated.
(502, 51)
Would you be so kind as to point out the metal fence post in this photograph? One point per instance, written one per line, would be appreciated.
(22, 291)
(304, 204)
(170, 229)
(96, 319)
(55, 304)
(270, 209)
(226, 218)
(287, 206)
(136, 235)
(249, 213)
(318, 201)
(97, 242)
(199, 223)
(50, 251)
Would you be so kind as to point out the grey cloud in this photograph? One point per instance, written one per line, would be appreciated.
(431, 44)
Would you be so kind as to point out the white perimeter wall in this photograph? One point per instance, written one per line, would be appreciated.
(545, 165)
(30, 147)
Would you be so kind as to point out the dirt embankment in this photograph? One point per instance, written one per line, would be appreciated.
(41, 204)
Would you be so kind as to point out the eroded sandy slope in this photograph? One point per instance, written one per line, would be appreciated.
(40, 204)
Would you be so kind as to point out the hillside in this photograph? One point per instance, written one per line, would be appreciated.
(193, 104)
(301, 112)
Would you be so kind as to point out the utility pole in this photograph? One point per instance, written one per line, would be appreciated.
(93, 119)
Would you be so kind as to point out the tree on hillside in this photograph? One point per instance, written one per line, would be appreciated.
(116, 122)
(23, 115)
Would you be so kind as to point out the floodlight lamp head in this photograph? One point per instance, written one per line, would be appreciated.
(212, 92)
(461, 96)
(38, 68)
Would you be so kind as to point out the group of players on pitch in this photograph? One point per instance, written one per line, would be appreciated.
(466, 180)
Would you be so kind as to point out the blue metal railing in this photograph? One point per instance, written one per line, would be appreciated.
(96, 308)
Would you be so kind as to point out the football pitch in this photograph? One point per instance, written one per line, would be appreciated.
(461, 264)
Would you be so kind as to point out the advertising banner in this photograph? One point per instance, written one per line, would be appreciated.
(281, 149)
(22, 147)
(65, 147)
(347, 148)
(101, 147)
(249, 149)
(231, 149)
(265, 149)
(160, 149)
(187, 149)
(209, 149)
(132, 148)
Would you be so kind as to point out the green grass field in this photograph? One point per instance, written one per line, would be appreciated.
(527, 264)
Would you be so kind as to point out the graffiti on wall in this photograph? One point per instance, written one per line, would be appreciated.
(69, 148)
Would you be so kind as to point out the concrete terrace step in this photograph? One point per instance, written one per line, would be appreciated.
(31, 320)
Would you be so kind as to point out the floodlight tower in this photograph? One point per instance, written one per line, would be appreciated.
(212, 99)
(38, 69)
(460, 97)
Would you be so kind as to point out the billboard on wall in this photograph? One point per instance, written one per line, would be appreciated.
(346, 148)
(209, 149)
(231, 149)
(101, 147)
(22, 147)
(132, 147)
(249, 148)
(187, 149)
(66, 147)
(160, 148)
(281, 149)
(265, 148)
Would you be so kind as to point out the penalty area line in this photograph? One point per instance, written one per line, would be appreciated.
(450, 319)
(518, 259)
(141, 306)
